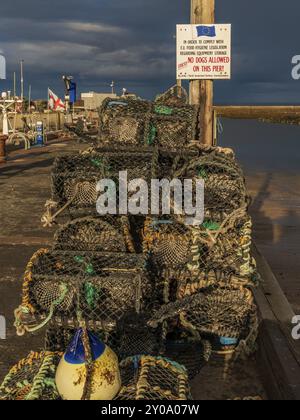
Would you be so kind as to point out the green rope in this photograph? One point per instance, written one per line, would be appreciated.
(211, 225)
(202, 173)
(39, 381)
(163, 110)
(57, 302)
(89, 267)
(152, 135)
(97, 162)
(91, 294)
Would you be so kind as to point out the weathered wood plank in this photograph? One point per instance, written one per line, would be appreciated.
(289, 113)
(278, 354)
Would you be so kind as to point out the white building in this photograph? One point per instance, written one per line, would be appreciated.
(93, 100)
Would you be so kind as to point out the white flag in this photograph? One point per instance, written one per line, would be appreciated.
(54, 102)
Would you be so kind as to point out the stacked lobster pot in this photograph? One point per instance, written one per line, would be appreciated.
(150, 285)
(205, 272)
(92, 275)
(211, 262)
(94, 278)
(168, 122)
(142, 378)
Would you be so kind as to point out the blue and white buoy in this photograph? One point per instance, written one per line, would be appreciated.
(71, 372)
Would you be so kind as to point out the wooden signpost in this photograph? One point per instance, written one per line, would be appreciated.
(201, 91)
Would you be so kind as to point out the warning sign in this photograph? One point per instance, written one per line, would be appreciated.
(203, 52)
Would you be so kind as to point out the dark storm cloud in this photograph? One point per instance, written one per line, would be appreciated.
(132, 42)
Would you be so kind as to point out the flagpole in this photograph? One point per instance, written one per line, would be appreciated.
(22, 79)
(48, 107)
(201, 91)
(29, 99)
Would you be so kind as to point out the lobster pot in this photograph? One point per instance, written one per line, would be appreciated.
(131, 336)
(170, 160)
(184, 257)
(59, 337)
(124, 121)
(75, 177)
(63, 288)
(33, 378)
(172, 127)
(102, 234)
(153, 378)
(140, 123)
(193, 355)
(225, 315)
(225, 189)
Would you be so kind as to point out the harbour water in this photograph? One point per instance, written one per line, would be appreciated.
(270, 155)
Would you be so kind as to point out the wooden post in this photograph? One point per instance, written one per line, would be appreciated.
(2, 149)
(201, 91)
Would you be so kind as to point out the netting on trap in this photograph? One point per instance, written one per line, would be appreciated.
(131, 336)
(225, 188)
(175, 284)
(170, 160)
(59, 337)
(134, 336)
(175, 96)
(124, 121)
(153, 378)
(33, 378)
(224, 182)
(143, 378)
(102, 234)
(79, 131)
(193, 355)
(68, 287)
(181, 256)
(75, 179)
(225, 315)
(173, 127)
(130, 122)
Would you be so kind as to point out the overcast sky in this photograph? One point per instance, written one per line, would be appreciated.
(132, 42)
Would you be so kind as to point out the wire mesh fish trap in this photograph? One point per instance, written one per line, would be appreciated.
(131, 336)
(136, 337)
(143, 378)
(193, 355)
(58, 338)
(153, 378)
(75, 179)
(81, 173)
(124, 121)
(227, 316)
(67, 287)
(136, 122)
(170, 160)
(181, 255)
(33, 378)
(175, 96)
(225, 189)
(105, 234)
(173, 127)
